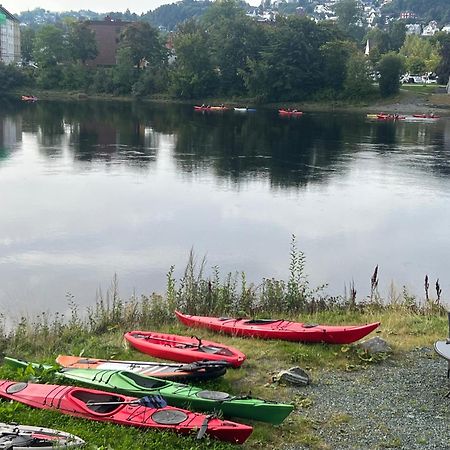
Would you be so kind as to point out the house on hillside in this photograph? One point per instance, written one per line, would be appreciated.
(107, 36)
(413, 28)
(9, 37)
(431, 29)
(446, 28)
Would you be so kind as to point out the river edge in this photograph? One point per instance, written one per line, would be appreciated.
(407, 102)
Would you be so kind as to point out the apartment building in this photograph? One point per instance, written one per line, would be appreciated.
(9, 37)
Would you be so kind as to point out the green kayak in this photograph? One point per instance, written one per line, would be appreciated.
(176, 394)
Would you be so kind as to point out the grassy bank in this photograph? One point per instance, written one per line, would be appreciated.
(406, 323)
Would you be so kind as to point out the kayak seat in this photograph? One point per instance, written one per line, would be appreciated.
(310, 325)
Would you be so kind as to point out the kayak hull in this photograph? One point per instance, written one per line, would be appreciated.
(211, 108)
(284, 112)
(182, 348)
(120, 409)
(176, 394)
(15, 436)
(280, 329)
(168, 371)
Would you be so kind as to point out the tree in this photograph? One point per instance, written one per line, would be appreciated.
(350, 18)
(193, 73)
(50, 46)
(49, 50)
(290, 66)
(335, 56)
(233, 37)
(124, 74)
(421, 54)
(358, 84)
(82, 43)
(397, 34)
(27, 35)
(143, 42)
(443, 68)
(390, 68)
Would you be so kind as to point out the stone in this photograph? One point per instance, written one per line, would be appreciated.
(375, 345)
(295, 376)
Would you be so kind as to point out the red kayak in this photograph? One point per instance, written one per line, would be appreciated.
(426, 116)
(390, 117)
(280, 329)
(210, 108)
(182, 348)
(147, 412)
(287, 112)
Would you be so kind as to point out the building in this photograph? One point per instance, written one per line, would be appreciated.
(107, 36)
(413, 28)
(431, 29)
(9, 37)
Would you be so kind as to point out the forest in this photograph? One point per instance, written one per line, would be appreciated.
(226, 54)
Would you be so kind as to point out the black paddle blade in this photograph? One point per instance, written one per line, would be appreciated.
(201, 433)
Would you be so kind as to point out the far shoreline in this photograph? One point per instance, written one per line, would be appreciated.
(406, 102)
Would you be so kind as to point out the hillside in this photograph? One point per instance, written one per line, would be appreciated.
(425, 10)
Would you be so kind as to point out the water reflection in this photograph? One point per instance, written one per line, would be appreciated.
(93, 188)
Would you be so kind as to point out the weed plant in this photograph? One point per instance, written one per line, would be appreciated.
(407, 322)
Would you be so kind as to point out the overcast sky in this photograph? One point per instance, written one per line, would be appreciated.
(136, 6)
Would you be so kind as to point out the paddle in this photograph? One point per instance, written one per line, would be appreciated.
(183, 344)
(150, 401)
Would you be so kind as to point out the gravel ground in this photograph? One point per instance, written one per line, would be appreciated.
(399, 403)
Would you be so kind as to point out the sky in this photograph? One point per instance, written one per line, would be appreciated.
(101, 6)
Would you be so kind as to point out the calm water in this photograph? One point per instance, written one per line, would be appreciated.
(88, 190)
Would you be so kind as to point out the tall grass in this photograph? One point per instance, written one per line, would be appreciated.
(197, 293)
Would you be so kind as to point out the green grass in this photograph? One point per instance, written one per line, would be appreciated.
(406, 323)
(403, 329)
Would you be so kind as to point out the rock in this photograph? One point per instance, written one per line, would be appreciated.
(295, 376)
(375, 345)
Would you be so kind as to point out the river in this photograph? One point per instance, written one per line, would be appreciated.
(92, 189)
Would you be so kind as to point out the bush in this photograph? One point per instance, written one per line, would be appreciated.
(390, 68)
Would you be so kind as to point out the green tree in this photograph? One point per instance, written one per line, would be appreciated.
(390, 67)
(443, 68)
(124, 75)
(193, 74)
(49, 50)
(50, 46)
(358, 83)
(27, 35)
(397, 34)
(421, 54)
(335, 55)
(349, 18)
(10, 78)
(143, 42)
(291, 64)
(82, 43)
(233, 37)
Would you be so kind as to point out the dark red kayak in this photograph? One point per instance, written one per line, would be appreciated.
(280, 329)
(147, 412)
(183, 348)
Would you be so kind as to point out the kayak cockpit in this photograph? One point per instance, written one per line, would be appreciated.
(261, 321)
(143, 382)
(97, 403)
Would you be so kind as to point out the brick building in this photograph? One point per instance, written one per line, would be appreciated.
(107, 34)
